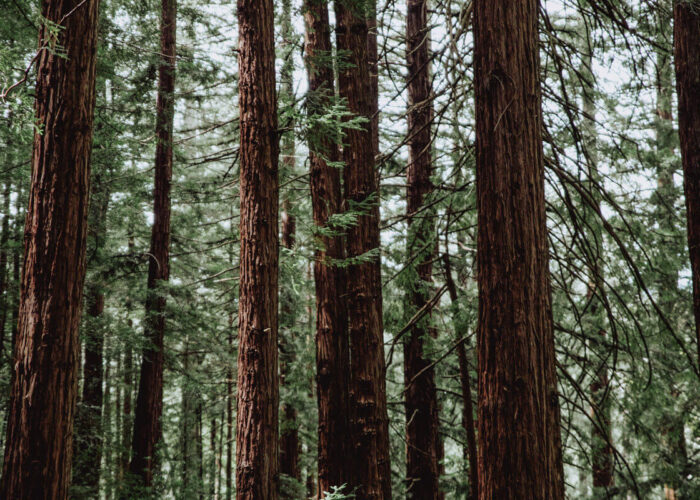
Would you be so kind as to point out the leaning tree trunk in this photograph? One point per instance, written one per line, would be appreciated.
(423, 446)
(519, 437)
(149, 402)
(686, 37)
(369, 455)
(258, 391)
(332, 357)
(39, 448)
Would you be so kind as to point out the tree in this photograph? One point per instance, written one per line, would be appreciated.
(38, 450)
(332, 350)
(258, 391)
(686, 39)
(519, 437)
(423, 445)
(368, 412)
(149, 401)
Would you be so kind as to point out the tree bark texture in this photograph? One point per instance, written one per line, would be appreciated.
(149, 402)
(258, 390)
(39, 448)
(519, 436)
(332, 348)
(369, 453)
(686, 37)
(423, 445)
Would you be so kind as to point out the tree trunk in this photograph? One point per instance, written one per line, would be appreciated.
(687, 59)
(519, 436)
(88, 455)
(423, 446)
(289, 438)
(593, 322)
(39, 448)
(258, 391)
(332, 350)
(4, 238)
(149, 402)
(369, 455)
(465, 381)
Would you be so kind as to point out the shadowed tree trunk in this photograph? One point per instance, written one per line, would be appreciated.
(465, 382)
(594, 319)
(519, 437)
(686, 37)
(258, 391)
(290, 445)
(149, 402)
(88, 440)
(4, 238)
(332, 355)
(423, 446)
(369, 456)
(39, 448)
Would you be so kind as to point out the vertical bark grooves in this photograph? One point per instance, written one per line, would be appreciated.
(149, 402)
(258, 391)
(423, 446)
(369, 454)
(519, 437)
(332, 349)
(686, 37)
(39, 447)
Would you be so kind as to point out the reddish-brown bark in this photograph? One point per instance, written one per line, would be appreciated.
(686, 37)
(423, 445)
(258, 391)
(149, 402)
(369, 455)
(519, 436)
(465, 382)
(39, 448)
(332, 350)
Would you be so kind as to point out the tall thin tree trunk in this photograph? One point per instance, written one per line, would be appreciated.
(257, 460)
(687, 61)
(332, 350)
(4, 238)
(149, 402)
(39, 448)
(594, 320)
(465, 382)
(369, 456)
(667, 267)
(289, 434)
(422, 429)
(519, 436)
(229, 413)
(88, 455)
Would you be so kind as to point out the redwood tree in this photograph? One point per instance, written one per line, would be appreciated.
(332, 356)
(39, 448)
(519, 437)
(258, 391)
(423, 446)
(149, 402)
(686, 36)
(369, 455)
